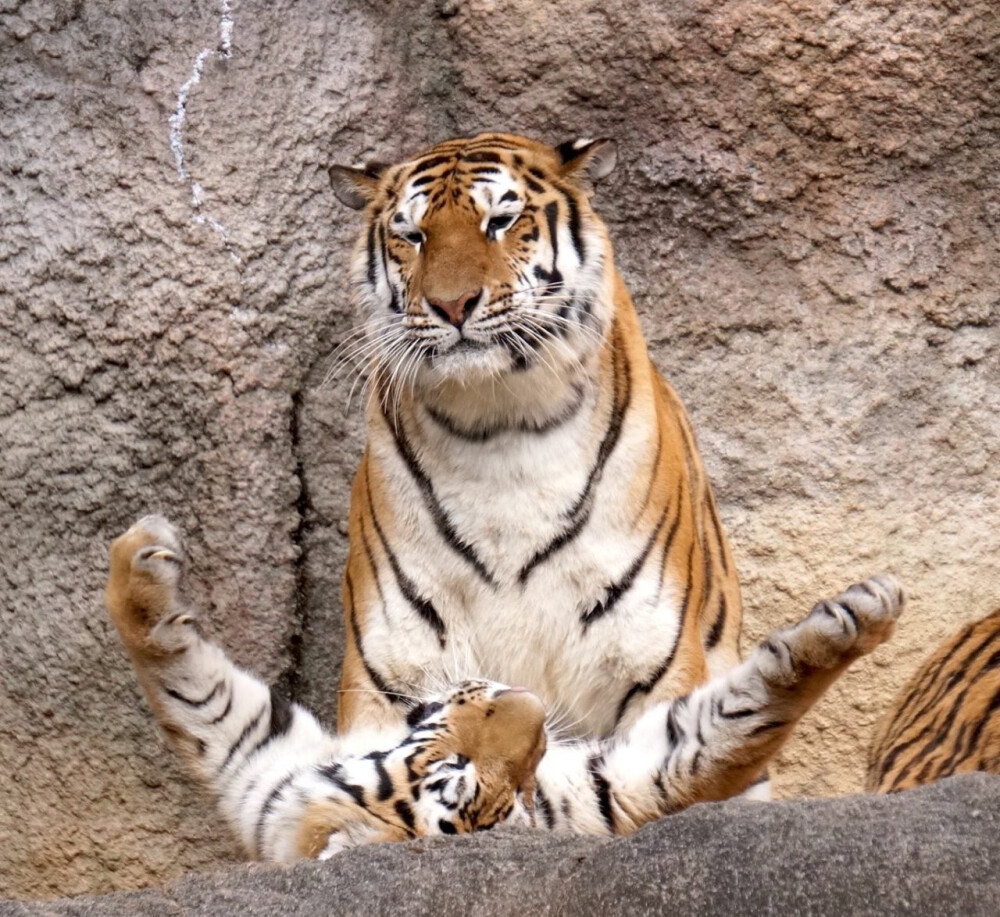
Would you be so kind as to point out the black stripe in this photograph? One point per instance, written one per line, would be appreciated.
(654, 469)
(645, 687)
(534, 186)
(405, 813)
(370, 556)
(376, 679)
(674, 731)
(574, 227)
(429, 164)
(482, 435)
(552, 218)
(715, 634)
(423, 607)
(484, 156)
(442, 523)
(960, 750)
(384, 790)
(446, 827)
(195, 704)
(994, 705)
(332, 772)
(603, 790)
(769, 726)
(720, 538)
(617, 590)
(543, 805)
(282, 714)
(580, 512)
(420, 182)
(370, 249)
(738, 714)
(243, 736)
(492, 141)
(279, 722)
(225, 711)
(265, 810)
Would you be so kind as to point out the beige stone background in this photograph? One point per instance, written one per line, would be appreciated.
(807, 211)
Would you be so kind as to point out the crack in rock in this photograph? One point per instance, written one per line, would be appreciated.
(224, 50)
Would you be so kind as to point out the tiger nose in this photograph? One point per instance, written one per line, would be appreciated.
(455, 311)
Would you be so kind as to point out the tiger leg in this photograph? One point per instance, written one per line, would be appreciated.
(267, 762)
(718, 740)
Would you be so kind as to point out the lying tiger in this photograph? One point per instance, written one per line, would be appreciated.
(530, 509)
(470, 756)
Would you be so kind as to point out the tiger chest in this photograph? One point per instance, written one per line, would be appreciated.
(526, 593)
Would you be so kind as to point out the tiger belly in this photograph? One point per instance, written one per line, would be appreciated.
(535, 639)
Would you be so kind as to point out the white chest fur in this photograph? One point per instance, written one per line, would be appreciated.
(520, 602)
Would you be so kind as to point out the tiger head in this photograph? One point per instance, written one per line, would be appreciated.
(482, 257)
(471, 750)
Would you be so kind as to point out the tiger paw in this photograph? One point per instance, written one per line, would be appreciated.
(147, 564)
(854, 623)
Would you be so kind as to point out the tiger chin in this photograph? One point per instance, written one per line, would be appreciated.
(530, 509)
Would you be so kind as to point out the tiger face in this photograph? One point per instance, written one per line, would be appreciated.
(471, 750)
(482, 256)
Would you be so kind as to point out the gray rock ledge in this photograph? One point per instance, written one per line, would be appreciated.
(930, 851)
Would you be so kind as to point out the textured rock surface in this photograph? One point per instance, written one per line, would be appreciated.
(931, 851)
(807, 211)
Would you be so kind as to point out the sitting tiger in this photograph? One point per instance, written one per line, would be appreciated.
(530, 509)
(946, 720)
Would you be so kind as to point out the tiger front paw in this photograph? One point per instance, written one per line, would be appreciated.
(854, 623)
(147, 563)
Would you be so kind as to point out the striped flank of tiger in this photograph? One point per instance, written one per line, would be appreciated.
(947, 719)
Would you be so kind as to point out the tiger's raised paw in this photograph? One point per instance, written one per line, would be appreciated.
(853, 623)
(837, 631)
(146, 567)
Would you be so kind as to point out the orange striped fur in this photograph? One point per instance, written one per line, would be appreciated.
(947, 719)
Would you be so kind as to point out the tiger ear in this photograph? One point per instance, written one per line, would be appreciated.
(597, 157)
(356, 187)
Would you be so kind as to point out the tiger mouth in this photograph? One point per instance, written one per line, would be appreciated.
(467, 345)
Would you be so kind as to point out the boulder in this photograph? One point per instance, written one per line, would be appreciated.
(927, 851)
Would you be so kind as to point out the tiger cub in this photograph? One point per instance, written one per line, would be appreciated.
(947, 719)
(468, 757)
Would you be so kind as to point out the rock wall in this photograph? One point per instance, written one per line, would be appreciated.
(806, 210)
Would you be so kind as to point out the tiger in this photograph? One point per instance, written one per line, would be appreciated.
(531, 505)
(946, 720)
(531, 508)
(471, 756)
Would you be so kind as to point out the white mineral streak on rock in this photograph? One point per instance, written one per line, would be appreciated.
(224, 49)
